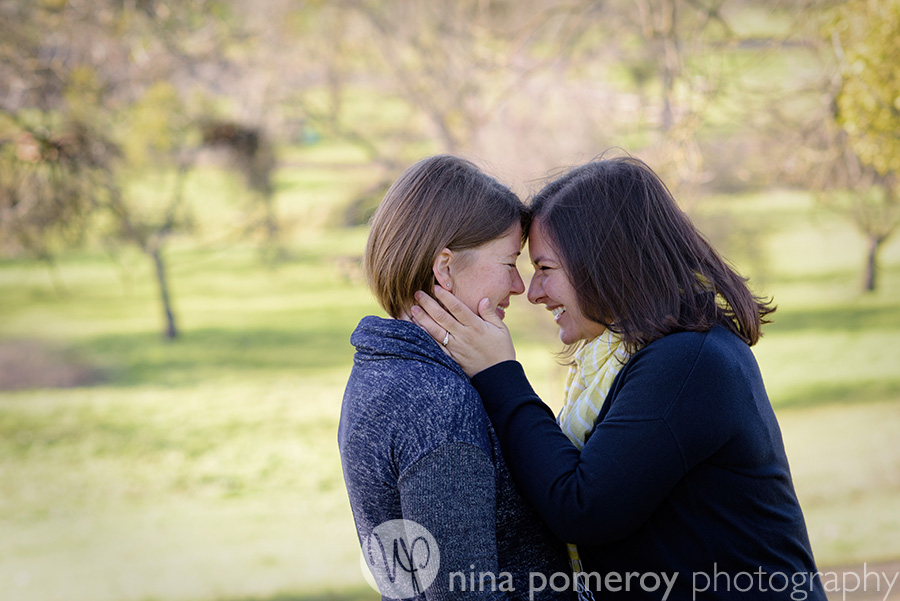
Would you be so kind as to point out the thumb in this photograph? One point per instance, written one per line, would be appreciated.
(489, 313)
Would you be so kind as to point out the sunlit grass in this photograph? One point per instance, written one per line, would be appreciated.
(207, 468)
(846, 465)
(225, 489)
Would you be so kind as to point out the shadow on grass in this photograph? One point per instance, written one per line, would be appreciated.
(832, 277)
(133, 359)
(320, 344)
(845, 394)
(843, 318)
(365, 594)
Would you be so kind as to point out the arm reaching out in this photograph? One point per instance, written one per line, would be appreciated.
(476, 342)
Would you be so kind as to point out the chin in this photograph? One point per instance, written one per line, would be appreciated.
(567, 339)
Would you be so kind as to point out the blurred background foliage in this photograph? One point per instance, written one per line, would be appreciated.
(214, 162)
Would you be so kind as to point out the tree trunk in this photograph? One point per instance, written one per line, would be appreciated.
(872, 262)
(668, 28)
(171, 332)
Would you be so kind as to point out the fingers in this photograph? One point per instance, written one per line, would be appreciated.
(433, 313)
(489, 313)
(457, 309)
(453, 312)
(425, 321)
(474, 347)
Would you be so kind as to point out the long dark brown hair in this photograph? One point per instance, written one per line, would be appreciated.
(635, 259)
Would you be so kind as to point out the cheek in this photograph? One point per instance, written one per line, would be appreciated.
(494, 284)
(475, 285)
(549, 288)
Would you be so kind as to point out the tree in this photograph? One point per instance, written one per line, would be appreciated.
(837, 125)
(843, 183)
(92, 108)
(53, 177)
(162, 145)
(442, 69)
(865, 37)
(681, 37)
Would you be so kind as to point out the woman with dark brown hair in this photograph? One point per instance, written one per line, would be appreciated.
(666, 462)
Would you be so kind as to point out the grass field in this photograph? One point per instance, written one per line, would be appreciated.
(204, 469)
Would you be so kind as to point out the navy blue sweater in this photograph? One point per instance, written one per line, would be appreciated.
(416, 444)
(684, 472)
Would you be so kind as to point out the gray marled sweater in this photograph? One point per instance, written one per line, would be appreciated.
(416, 444)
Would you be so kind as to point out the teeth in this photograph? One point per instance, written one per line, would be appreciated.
(557, 312)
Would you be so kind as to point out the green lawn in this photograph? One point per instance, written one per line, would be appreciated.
(207, 468)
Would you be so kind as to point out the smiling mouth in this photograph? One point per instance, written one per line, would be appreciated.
(557, 313)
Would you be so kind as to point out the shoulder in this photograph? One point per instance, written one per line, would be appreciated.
(695, 365)
(440, 394)
(415, 406)
(716, 348)
(448, 409)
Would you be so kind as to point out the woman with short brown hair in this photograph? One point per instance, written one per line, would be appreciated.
(415, 442)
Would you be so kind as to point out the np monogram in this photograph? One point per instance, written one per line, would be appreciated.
(403, 557)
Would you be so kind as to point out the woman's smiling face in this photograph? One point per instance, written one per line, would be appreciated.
(488, 271)
(550, 286)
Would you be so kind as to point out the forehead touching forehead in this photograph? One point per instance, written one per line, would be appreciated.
(540, 245)
(508, 247)
(512, 240)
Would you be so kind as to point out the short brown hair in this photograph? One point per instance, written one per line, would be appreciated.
(635, 259)
(440, 202)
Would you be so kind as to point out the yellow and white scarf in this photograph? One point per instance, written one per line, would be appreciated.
(596, 365)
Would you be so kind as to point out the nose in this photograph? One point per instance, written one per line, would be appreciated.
(518, 286)
(535, 290)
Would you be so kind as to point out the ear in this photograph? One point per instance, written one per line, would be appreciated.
(441, 269)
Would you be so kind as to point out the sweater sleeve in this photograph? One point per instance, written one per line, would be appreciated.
(630, 462)
(451, 492)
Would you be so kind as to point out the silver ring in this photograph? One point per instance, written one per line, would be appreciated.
(446, 338)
